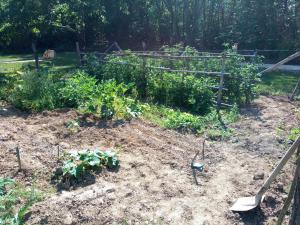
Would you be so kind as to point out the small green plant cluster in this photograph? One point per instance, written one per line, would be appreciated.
(15, 201)
(73, 126)
(294, 133)
(88, 160)
(186, 122)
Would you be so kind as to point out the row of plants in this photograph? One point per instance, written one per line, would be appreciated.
(191, 93)
(37, 91)
(208, 125)
(15, 201)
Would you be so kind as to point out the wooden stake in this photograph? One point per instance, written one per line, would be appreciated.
(291, 57)
(78, 54)
(219, 99)
(36, 57)
(58, 153)
(19, 158)
(295, 90)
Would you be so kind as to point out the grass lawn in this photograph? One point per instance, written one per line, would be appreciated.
(63, 61)
(278, 83)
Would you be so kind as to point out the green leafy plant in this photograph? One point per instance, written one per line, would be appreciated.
(35, 91)
(15, 201)
(78, 89)
(88, 160)
(73, 126)
(294, 133)
(110, 101)
(186, 122)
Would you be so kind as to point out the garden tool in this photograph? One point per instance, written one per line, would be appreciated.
(248, 203)
(196, 166)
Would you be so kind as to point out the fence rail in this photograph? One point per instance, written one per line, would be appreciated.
(155, 54)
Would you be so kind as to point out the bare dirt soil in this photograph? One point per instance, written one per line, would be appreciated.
(154, 184)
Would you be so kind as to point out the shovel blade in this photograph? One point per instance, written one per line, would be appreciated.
(245, 204)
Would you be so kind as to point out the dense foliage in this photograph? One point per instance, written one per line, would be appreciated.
(191, 92)
(201, 23)
(37, 91)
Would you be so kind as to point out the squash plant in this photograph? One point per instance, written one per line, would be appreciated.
(88, 160)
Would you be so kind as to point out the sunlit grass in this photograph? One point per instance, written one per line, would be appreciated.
(278, 83)
(63, 61)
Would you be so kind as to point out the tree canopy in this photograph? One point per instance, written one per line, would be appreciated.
(205, 24)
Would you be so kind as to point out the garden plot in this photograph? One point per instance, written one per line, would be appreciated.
(154, 183)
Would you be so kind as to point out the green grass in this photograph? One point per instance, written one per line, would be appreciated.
(64, 61)
(278, 83)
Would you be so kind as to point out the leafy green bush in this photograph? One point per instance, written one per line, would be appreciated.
(88, 160)
(109, 100)
(78, 89)
(36, 91)
(7, 81)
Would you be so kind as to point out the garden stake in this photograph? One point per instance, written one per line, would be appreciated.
(19, 158)
(58, 153)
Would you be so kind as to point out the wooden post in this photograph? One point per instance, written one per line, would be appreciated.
(291, 57)
(219, 99)
(78, 54)
(295, 217)
(295, 90)
(36, 57)
(58, 153)
(19, 158)
(290, 195)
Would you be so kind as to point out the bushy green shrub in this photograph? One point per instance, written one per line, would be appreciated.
(36, 91)
(78, 89)
(109, 100)
(7, 81)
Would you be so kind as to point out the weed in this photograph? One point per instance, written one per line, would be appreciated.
(15, 201)
(294, 133)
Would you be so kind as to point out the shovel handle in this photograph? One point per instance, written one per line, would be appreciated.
(277, 169)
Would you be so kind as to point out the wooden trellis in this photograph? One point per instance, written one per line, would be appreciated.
(172, 56)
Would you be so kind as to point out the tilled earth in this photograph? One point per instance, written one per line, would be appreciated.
(154, 184)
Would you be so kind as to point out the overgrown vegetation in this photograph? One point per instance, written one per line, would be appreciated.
(37, 91)
(193, 93)
(209, 125)
(15, 201)
(114, 90)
